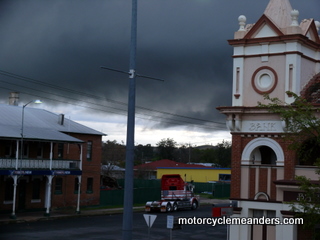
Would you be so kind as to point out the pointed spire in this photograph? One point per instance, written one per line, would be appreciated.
(279, 12)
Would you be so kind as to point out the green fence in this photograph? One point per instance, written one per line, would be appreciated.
(140, 195)
(150, 190)
(218, 189)
(221, 190)
(142, 183)
(203, 187)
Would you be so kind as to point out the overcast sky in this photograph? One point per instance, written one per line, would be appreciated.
(53, 50)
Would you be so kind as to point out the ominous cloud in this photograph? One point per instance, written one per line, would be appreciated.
(62, 44)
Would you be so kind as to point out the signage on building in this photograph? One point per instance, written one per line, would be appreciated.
(262, 126)
(61, 172)
(22, 172)
(289, 196)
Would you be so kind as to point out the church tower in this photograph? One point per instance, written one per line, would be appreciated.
(276, 55)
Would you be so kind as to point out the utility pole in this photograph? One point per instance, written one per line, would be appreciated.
(128, 186)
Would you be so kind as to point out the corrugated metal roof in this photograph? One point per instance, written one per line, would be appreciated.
(39, 124)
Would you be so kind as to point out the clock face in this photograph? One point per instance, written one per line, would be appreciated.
(264, 80)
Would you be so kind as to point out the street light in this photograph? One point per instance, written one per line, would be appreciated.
(15, 177)
(22, 123)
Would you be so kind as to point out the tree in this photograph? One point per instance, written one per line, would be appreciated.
(113, 152)
(222, 154)
(166, 148)
(302, 123)
(143, 153)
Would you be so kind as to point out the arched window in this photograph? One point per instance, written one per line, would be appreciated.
(263, 151)
(268, 156)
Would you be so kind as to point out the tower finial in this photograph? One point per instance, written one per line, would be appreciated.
(317, 25)
(294, 17)
(242, 22)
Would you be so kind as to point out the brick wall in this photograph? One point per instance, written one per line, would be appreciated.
(236, 166)
(263, 180)
(90, 169)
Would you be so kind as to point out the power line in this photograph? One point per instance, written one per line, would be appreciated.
(168, 121)
(95, 96)
(116, 110)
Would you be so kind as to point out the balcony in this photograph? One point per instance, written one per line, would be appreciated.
(63, 164)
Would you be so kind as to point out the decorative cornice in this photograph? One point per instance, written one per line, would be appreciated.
(278, 54)
(284, 38)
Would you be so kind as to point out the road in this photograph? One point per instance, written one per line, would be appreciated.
(110, 227)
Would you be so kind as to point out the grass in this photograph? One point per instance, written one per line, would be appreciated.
(206, 195)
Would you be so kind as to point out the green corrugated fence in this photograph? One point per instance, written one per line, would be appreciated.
(150, 190)
(218, 189)
(221, 190)
(142, 183)
(203, 187)
(140, 195)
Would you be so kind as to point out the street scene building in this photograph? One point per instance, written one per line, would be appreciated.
(277, 54)
(46, 160)
(191, 172)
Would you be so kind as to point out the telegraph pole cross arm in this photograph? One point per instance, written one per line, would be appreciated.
(130, 73)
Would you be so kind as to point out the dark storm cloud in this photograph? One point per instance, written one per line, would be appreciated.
(64, 42)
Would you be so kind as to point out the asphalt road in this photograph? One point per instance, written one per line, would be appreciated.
(110, 227)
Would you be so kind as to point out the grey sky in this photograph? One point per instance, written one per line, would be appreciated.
(64, 43)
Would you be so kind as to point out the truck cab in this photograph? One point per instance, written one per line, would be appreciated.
(175, 194)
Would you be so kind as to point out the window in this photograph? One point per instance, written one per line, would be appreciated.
(39, 150)
(60, 150)
(265, 231)
(224, 177)
(89, 185)
(268, 156)
(258, 213)
(8, 150)
(89, 150)
(264, 213)
(58, 186)
(36, 188)
(25, 150)
(8, 191)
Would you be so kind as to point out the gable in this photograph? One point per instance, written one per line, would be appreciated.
(310, 30)
(263, 28)
(265, 31)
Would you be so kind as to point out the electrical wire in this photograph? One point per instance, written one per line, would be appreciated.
(96, 97)
(115, 110)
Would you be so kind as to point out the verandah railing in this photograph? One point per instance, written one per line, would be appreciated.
(10, 163)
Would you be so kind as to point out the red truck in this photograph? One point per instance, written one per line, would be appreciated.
(175, 194)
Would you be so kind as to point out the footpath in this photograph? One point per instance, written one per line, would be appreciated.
(29, 216)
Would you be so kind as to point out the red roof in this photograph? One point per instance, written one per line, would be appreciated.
(166, 163)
